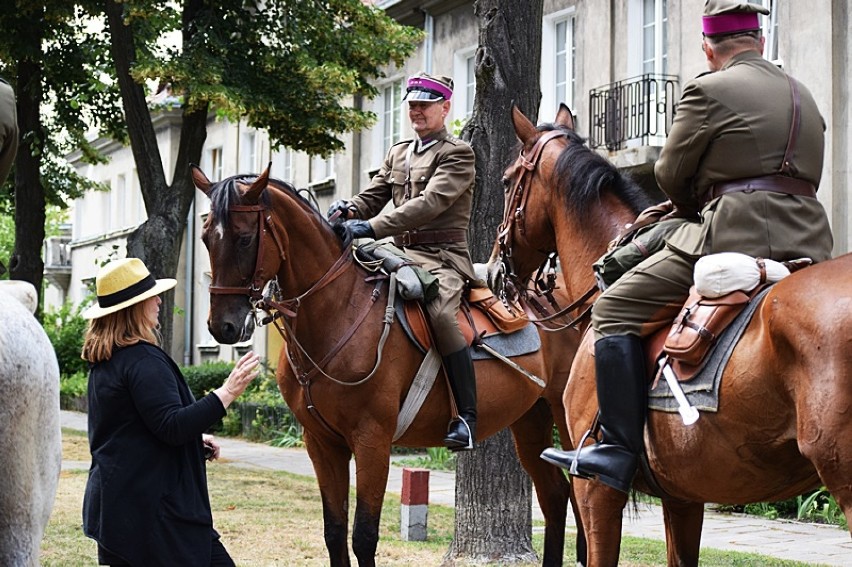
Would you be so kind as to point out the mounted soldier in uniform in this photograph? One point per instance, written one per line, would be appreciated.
(742, 162)
(430, 180)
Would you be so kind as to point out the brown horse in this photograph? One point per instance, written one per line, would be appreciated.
(343, 378)
(784, 424)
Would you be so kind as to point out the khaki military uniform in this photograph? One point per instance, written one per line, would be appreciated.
(731, 124)
(439, 199)
(8, 129)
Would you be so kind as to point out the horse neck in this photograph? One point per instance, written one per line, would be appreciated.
(580, 242)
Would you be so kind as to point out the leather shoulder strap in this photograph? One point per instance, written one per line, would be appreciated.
(787, 168)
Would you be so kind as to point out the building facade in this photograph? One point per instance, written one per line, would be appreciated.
(619, 65)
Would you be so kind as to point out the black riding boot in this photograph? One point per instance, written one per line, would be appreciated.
(622, 390)
(462, 431)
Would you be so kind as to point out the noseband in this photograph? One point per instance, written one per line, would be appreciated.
(254, 290)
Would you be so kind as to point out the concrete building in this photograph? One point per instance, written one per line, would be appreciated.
(619, 65)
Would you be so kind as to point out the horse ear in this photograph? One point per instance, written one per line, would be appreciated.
(523, 127)
(253, 193)
(564, 116)
(200, 179)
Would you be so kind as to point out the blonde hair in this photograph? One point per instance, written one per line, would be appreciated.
(125, 327)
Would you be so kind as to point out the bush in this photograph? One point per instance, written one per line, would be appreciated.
(206, 377)
(72, 391)
(66, 329)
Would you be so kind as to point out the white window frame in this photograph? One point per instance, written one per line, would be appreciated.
(391, 123)
(248, 152)
(464, 82)
(636, 25)
(770, 26)
(550, 60)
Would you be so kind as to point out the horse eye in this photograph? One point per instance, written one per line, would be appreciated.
(245, 240)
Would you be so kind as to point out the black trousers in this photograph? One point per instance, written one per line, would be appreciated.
(219, 556)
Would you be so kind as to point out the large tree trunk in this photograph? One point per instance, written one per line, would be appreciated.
(158, 240)
(26, 262)
(493, 494)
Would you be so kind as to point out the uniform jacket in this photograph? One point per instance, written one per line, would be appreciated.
(442, 181)
(146, 498)
(734, 124)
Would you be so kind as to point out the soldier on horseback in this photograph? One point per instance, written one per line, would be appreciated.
(430, 180)
(742, 161)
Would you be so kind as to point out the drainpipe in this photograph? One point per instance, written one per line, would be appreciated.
(429, 28)
(189, 277)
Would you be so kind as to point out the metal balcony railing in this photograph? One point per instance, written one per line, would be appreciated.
(639, 109)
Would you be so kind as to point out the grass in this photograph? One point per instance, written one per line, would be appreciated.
(275, 519)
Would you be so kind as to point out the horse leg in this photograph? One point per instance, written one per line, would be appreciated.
(331, 465)
(601, 509)
(372, 463)
(533, 434)
(683, 522)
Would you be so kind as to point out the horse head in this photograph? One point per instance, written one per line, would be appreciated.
(560, 197)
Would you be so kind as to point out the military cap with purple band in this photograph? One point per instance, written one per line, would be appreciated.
(722, 17)
(428, 88)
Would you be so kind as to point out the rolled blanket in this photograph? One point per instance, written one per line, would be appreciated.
(413, 282)
(720, 274)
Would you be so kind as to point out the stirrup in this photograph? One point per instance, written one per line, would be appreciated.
(460, 447)
(573, 470)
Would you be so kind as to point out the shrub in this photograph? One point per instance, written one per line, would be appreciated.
(66, 329)
(206, 377)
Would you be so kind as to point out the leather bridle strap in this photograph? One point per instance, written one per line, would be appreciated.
(255, 289)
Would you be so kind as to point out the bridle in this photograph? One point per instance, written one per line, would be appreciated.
(539, 303)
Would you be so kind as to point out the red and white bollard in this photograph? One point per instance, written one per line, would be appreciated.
(414, 504)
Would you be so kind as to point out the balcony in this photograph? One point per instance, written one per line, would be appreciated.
(632, 113)
(57, 261)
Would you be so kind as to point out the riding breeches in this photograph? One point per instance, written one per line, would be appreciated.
(443, 311)
(646, 298)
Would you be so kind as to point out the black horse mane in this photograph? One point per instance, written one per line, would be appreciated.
(226, 193)
(582, 175)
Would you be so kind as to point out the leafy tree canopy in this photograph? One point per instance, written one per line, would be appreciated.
(288, 67)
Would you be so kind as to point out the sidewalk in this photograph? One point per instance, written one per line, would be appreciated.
(808, 543)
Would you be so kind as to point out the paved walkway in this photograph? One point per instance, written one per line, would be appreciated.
(809, 543)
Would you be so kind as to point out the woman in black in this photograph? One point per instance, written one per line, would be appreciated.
(146, 500)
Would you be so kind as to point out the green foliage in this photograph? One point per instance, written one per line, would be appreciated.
(288, 67)
(436, 458)
(74, 385)
(66, 329)
(206, 377)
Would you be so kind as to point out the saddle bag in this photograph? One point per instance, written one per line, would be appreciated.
(507, 320)
(700, 323)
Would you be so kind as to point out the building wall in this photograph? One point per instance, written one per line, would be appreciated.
(814, 45)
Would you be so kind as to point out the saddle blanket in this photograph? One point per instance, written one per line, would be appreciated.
(703, 390)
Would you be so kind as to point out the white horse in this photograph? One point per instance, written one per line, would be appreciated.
(30, 435)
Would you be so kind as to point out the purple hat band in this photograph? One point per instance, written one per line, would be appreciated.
(419, 83)
(730, 23)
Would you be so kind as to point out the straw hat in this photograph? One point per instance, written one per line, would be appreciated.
(123, 283)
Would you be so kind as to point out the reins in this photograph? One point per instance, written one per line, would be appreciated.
(543, 315)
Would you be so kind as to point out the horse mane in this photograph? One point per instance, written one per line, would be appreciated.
(225, 193)
(583, 175)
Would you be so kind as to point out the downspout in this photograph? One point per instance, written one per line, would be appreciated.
(189, 281)
(428, 43)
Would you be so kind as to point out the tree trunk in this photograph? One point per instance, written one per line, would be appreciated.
(493, 492)
(158, 240)
(26, 262)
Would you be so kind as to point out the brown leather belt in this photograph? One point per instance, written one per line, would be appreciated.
(415, 237)
(772, 183)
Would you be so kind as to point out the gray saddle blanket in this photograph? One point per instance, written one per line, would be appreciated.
(518, 343)
(703, 390)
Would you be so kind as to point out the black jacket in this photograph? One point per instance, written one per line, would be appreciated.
(146, 498)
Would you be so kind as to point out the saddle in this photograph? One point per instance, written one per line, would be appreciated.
(713, 304)
(481, 315)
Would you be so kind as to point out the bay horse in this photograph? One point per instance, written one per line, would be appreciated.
(342, 377)
(784, 424)
(30, 438)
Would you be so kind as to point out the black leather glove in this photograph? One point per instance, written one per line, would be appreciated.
(342, 206)
(352, 229)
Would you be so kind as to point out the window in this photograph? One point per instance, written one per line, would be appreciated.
(558, 63)
(464, 89)
(282, 164)
(391, 115)
(322, 168)
(655, 20)
(769, 25)
(248, 153)
(216, 169)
